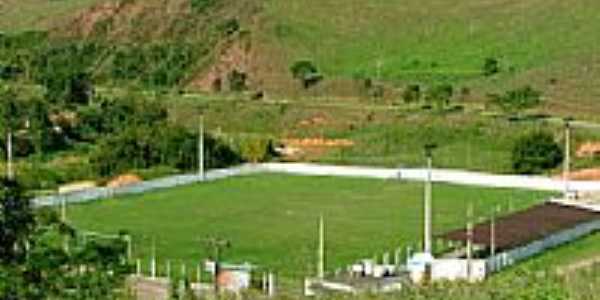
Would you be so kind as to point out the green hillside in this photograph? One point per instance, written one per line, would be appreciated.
(551, 44)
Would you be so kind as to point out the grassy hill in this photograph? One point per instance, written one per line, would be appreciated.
(22, 15)
(536, 42)
(173, 49)
(551, 44)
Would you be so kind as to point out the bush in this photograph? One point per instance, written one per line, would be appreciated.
(162, 144)
(306, 72)
(412, 94)
(237, 81)
(491, 66)
(517, 100)
(535, 153)
(256, 150)
(441, 95)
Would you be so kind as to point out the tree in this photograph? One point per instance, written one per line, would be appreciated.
(491, 66)
(307, 73)
(35, 265)
(517, 100)
(412, 94)
(441, 95)
(16, 222)
(535, 153)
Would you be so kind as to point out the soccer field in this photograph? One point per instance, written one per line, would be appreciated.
(271, 220)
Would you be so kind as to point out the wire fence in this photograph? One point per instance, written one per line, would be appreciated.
(98, 193)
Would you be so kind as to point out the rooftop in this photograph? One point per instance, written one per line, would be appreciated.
(527, 226)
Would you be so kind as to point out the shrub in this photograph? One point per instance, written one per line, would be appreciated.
(491, 66)
(517, 100)
(412, 94)
(441, 95)
(306, 72)
(255, 149)
(237, 81)
(535, 153)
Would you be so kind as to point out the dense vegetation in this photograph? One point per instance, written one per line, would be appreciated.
(42, 257)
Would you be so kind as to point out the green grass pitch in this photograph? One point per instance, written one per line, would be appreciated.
(271, 220)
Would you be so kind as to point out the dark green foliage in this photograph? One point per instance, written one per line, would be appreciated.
(159, 144)
(229, 27)
(63, 69)
(9, 72)
(109, 115)
(306, 72)
(16, 222)
(441, 95)
(155, 65)
(303, 68)
(34, 264)
(491, 66)
(517, 100)
(28, 120)
(237, 81)
(412, 94)
(535, 153)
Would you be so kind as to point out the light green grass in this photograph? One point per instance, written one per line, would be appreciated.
(24, 15)
(413, 36)
(577, 251)
(271, 220)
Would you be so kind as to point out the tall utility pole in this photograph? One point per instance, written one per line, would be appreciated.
(201, 148)
(567, 162)
(427, 205)
(321, 250)
(469, 240)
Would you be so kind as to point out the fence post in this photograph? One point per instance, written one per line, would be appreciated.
(271, 285)
(386, 258)
(183, 271)
(138, 267)
(198, 274)
(168, 269)
(153, 268)
(397, 255)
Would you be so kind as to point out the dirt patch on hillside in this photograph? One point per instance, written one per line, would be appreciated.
(232, 56)
(124, 180)
(588, 149)
(318, 143)
(294, 149)
(584, 174)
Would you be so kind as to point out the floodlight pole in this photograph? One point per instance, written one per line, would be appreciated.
(567, 162)
(469, 239)
(321, 250)
(201, 148)
(427, 205)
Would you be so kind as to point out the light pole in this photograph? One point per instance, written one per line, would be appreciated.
(567, 162)
(321, 250)
(427, 205)
(201, 148)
